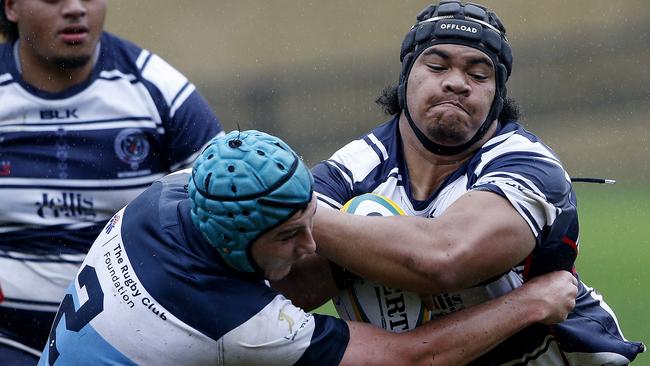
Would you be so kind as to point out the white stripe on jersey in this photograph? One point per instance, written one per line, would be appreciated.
(166, 78)
(19, 277)
(110, 101)
(86, 126)
(516, 143)
(328, 202)
(379, 145)
(116, 73)
(19, 346)
(180, 99)
(535, 202)
(142, 57)
(359, 158)
(5, 77)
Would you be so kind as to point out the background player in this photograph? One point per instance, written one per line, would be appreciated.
(178, 278)
(495, 206)
(87, 121)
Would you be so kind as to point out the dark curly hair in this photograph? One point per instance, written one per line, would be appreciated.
(389, 103)
(8, 29)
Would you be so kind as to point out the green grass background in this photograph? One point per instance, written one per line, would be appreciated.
(614, 253)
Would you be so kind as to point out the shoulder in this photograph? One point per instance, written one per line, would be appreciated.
(516, 145)
(517, 156)
(361, 156)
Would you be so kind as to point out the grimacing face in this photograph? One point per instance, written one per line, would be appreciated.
(278, 249)
(449, 92)
(61, 32)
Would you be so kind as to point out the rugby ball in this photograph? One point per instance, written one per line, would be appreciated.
(366, 301)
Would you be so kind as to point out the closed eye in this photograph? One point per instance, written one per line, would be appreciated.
(478, 77)
(436, 67)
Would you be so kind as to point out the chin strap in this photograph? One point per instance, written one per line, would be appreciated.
(444, 149)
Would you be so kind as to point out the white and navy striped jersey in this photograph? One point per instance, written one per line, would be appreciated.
(516, 165)
(152, 291)
(70, 160)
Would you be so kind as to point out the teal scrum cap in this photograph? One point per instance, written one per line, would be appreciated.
(242, 185)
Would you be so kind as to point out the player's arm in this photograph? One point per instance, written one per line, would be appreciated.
(478, 237)
(309, 284)
(461, 337)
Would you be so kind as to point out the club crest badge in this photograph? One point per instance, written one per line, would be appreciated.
(132, 147)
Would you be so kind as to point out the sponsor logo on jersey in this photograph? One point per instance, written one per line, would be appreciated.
(286, 317)
(132, 147)
(65, 204)
(111, 224)
(47, 114)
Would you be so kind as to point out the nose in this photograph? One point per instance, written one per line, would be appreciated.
(456, 82)
(307, 243)
(74, 8)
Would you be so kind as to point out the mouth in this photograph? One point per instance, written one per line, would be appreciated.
(74, 34)
(453, 103)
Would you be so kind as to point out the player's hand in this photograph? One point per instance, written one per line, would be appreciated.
(555, 294)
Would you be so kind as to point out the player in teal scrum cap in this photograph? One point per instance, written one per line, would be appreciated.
(178, 277)
(242, 186)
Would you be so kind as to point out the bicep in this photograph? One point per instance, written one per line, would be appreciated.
(487, 235)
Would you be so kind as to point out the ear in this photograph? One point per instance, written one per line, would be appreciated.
(10, 10)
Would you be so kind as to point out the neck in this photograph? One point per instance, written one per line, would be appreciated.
(48, 76)
(427, 170)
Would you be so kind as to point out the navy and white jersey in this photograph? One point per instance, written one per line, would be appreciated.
(516, 165)
(70, 160)
(152, 291)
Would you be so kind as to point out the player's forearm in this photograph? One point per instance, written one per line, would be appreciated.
(461, 337)
(429, 255)
(401, 259)
(453, 340)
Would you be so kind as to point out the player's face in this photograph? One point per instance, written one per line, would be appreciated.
(449, 93)
(63, 32)
(278, 249)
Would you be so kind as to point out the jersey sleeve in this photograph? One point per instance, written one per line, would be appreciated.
(188, 121)
(530, 177)
(332, 184)
(283, 334)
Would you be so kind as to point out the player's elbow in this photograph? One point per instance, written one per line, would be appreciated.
(439, 271)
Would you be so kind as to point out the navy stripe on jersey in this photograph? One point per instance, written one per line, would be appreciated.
(146, 61)
(371, 143)
(180, 92)
(328, 343)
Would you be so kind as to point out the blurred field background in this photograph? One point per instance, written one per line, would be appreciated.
(309, 72)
